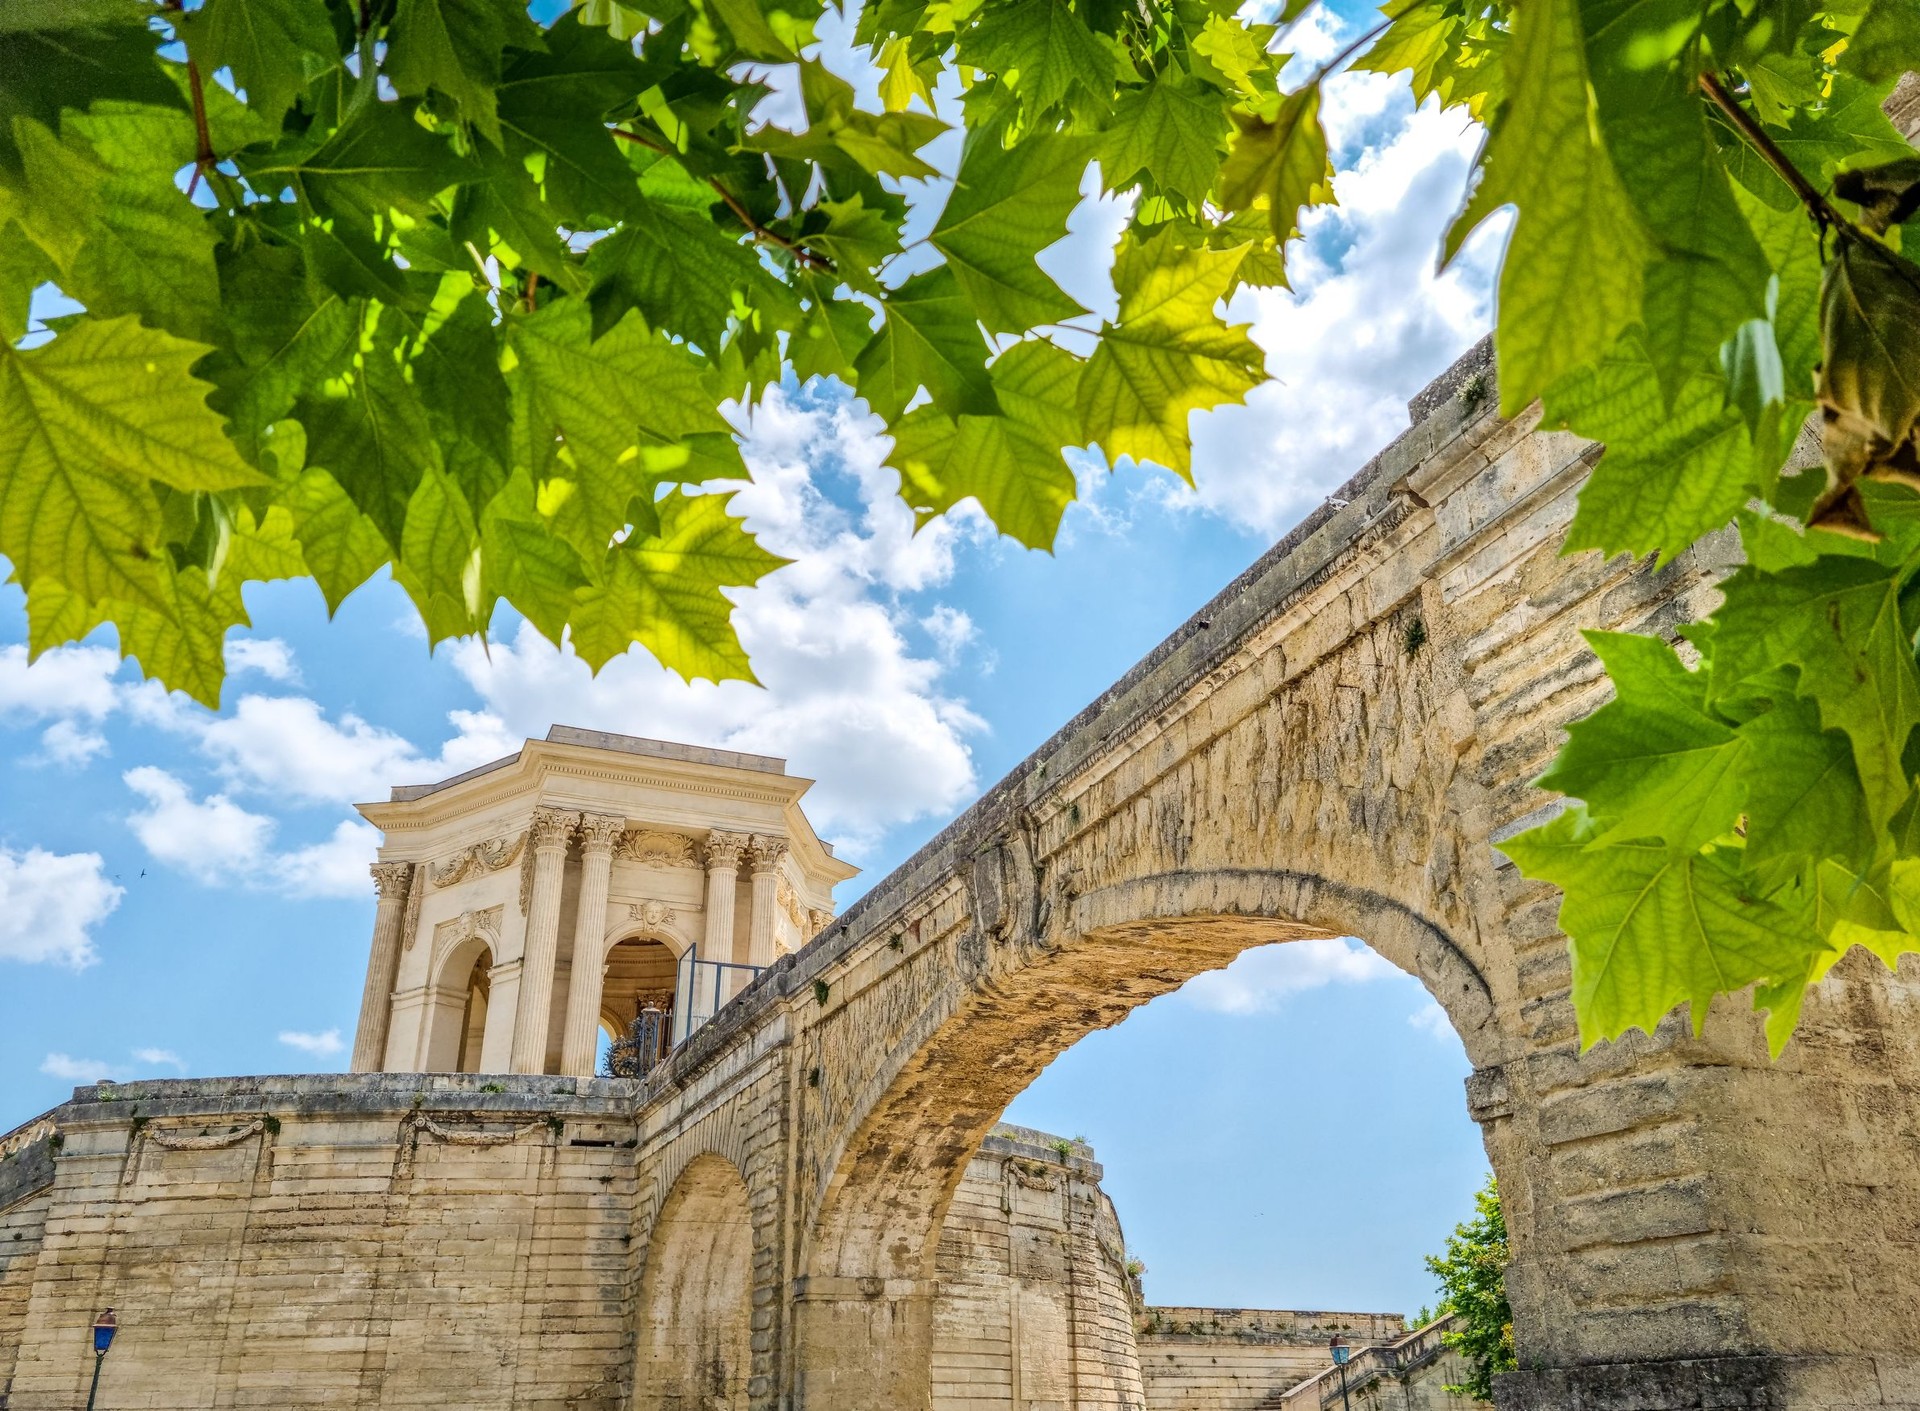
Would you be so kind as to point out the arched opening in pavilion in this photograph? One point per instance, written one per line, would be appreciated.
(456, 1022)
(637, 1005)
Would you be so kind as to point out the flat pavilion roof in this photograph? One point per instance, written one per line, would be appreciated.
(607, 740)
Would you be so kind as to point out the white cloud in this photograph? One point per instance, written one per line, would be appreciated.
(951, 630)
(69, 743)
(67, 681)
(269, 656)
(160, 1058)
(1431, 1019)
(334, 868)
(79, 1070)
(1369, 321)
(1259, 980)
(285, 746)
(50, 903)
(212, 840)
(846, 699)
(218, 843)
(321, 1045)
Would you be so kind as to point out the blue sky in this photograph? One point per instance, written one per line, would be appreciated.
(183, 892)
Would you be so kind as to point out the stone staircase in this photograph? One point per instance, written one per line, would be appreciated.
(1397, 1360)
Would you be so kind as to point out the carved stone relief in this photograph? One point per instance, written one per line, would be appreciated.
(489, 856)
(724, 849)
(788, 901)
(656, 848)
(482, 925)
(650, 913)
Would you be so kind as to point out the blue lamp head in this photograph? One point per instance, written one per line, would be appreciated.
(1337, 1345)
(103, 1330)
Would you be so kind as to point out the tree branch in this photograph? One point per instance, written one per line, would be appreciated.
(203, 158)
(773, 237)
(1756, 137)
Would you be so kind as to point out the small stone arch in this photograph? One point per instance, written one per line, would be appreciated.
(869, 1246)
(694, 1342)
(458, 997)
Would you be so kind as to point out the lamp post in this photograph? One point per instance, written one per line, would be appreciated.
(1337, 1345)
(103, 1329)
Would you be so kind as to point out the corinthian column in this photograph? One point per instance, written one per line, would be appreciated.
(767, 852)
(547, 836)
(392, 880)
(723, 872)
(598, 833)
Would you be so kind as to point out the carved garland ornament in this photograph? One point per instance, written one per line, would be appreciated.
(550, 828)
(788, 901)
(168, 1141)
(489, 856)
(653, 847)
(416, 1123)
(410, 919)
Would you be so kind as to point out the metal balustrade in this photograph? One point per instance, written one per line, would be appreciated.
(702, 988)
(1367, 1365)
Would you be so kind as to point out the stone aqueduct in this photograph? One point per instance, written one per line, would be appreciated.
(1334, 746)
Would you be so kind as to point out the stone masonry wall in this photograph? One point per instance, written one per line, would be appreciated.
(1033, 1308)
(458, 1241)
(1237, 1359)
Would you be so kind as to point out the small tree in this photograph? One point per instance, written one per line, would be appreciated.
(1473, 1286)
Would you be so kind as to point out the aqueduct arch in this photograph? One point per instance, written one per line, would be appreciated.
(880, 1217)
(694, 1341)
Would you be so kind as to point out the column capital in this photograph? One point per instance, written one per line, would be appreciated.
(390, 879)
(768, 850)
(551, 827)
(599, 832)
(724, 849)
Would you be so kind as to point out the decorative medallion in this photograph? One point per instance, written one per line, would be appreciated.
(651, 913)
(483, 926)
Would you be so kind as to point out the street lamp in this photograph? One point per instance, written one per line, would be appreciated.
(1337, 1345)
(103, 1329)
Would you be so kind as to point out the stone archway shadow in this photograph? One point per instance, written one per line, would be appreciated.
(694, 1341)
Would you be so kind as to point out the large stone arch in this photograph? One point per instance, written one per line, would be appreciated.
(694, 1340)
(867, 1255)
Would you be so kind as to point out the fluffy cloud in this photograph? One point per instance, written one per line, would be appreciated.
(159, 1058)
(1261, 979)
(321, 1045)
(334, 868)
(79, 1070)
(846, 700)
(217, 842)
(285, 747)
(212, 840)
(65, 682)
(50, 903)
(1369, 321)
(1431, 1019)
(268, 656)
(67, 742)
